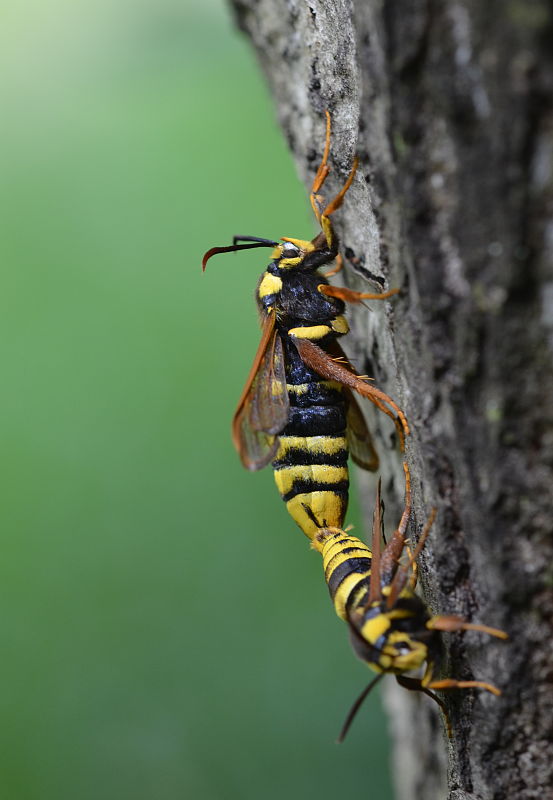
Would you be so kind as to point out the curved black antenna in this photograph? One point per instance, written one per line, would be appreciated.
(355, 708)
(268, 242)
(230, 248)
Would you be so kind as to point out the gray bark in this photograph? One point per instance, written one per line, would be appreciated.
(448, 105)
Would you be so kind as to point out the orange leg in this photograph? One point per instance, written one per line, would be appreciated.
(327, 367)
(453, 623)
(379, 399)
(416, 685)
(336, 202)
(418, 549)
(451, 683)
(394, 548)
(349, 296)
(322, 172)
(335, 270)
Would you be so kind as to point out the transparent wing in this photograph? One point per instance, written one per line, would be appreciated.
(263, 408)
(360, 441)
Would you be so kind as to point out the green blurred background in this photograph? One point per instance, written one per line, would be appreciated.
(166, 630)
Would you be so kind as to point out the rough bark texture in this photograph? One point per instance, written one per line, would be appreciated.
(448, 105)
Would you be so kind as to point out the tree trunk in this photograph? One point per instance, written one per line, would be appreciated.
(448, 105)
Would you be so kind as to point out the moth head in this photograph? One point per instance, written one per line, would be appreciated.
(389, 640)
(290, 253)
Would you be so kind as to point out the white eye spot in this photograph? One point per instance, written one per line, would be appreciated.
(290, 251)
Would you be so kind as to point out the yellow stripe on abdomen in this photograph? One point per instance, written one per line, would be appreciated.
(332, 561)
(346, 587)
(326, 445)
(286, 477)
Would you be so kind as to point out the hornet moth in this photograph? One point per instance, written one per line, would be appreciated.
(298, 408)
(390, 627)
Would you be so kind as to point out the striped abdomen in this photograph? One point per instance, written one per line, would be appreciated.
(392, 639)
(310, 467)
(347, 569)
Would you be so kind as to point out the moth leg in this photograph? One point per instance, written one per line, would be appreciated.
(335, 204)
(413, 580)
(320, 177)
(326, 366)
(335, 270)
(446, 684)
(349, 296)
(453, 623)
(321, 174)
(451, 683)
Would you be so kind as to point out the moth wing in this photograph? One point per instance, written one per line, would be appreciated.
(263, 408)
(359, 437)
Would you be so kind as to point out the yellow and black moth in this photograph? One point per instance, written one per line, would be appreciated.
(391, 629)
(298, 408)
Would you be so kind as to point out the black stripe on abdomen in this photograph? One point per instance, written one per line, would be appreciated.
(307, 487)
(316, 420)
(361, 566)
(301, 457)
